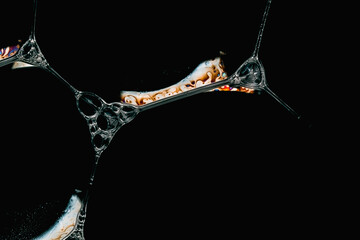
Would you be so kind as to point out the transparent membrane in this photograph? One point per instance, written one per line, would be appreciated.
(105, 119)
(249, 77)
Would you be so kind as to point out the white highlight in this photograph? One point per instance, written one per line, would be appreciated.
(65, 224)
(19, 64)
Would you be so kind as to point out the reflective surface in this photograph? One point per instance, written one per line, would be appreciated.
(8, 51)
(177, 167)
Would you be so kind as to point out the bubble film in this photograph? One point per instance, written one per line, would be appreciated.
(104, 119)
(206, 73)
(8, 51)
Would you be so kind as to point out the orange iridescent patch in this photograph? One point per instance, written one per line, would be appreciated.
(208, 72)
(8, 51)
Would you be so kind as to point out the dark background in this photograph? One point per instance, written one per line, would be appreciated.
(214, 164)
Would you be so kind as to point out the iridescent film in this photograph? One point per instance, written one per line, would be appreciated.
(103, 118)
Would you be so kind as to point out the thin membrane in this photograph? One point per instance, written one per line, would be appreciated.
(104, 119)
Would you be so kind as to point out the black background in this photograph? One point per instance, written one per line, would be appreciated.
(214, 164)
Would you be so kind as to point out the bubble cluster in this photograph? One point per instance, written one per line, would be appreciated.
(105, 119)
